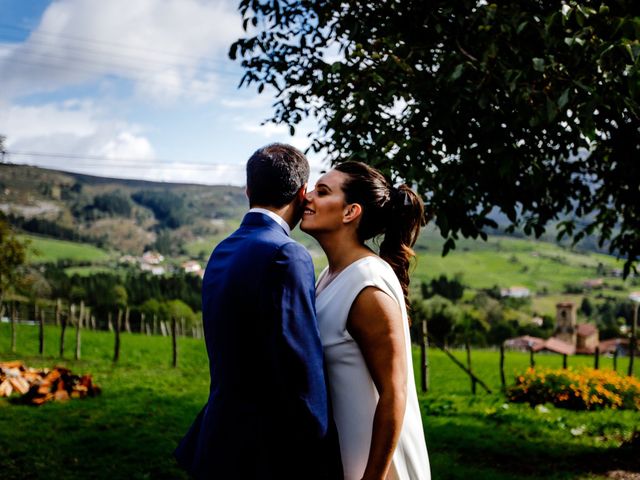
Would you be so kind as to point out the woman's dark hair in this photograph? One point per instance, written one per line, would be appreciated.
(395, 212)
(275, 173)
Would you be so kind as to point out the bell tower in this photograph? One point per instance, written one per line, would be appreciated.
(566, 322)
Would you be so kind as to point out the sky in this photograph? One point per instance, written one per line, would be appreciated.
(132, 89)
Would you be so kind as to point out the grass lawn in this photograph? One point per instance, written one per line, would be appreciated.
(43, 249)
(146, 406)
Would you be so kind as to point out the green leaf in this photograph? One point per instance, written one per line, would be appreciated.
(564, 98)
(457, 72)
(538, 64)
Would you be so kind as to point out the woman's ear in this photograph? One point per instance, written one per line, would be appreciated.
(352, 212)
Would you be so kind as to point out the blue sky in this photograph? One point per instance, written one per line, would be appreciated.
(132, 89)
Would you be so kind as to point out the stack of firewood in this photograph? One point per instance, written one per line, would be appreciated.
(39, 386)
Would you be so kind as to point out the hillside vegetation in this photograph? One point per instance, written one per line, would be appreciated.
(125, 215)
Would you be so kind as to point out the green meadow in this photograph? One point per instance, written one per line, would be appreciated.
(42, 250)
(130, 430)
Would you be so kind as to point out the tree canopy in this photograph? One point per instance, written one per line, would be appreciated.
(529, 107)
(12, 257)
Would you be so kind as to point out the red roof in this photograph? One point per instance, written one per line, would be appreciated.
(586, 329)
(611, 345)
(558, 346)
(525, 342)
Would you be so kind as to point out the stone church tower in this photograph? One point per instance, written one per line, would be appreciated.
(566, 322)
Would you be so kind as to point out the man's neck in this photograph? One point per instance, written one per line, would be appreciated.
(286, 213)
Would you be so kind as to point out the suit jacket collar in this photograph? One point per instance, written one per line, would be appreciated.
(257, 219)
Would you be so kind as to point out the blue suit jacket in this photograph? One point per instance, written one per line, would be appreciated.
(267, 415)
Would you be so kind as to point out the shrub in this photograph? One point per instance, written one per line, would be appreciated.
(585, 389)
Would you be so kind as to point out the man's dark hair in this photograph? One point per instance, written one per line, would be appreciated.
(275, 173)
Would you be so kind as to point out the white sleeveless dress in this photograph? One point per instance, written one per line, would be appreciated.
(353, 393)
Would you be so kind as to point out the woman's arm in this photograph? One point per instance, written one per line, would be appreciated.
(375, 323)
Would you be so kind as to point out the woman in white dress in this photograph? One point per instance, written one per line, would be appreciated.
(361, 305)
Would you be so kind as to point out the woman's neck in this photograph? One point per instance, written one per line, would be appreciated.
(342, 250)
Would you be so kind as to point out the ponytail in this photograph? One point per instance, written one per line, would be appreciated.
(406, 216)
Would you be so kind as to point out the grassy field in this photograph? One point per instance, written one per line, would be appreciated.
(130, 430)
(43, 249)
(505, 262)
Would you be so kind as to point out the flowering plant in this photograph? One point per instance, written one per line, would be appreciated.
(585, 389)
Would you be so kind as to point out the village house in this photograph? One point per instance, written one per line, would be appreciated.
(569, 337)
(515, 292)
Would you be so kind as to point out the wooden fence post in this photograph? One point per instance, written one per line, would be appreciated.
(596, 360)
(503, 382)
(424, 360)
(79, 321)
(109, 322)
(14, 321)
(58, 310)
(142, 329)
(174, 342)
(473, 381)
(127, 325)
(63, 327)
(41, 332)
(564, 361)
(116, 348)
(634, 338)
(155, 324)
(532, 361)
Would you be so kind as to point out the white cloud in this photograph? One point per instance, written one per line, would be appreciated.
(168, 49)
(268, 130)
(256, 101)
(126, 145)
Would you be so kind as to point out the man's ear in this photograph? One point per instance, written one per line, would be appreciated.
(302, 193)
(352, 212)
(246, 192)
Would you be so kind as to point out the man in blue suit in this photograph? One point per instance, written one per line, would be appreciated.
(267, 416)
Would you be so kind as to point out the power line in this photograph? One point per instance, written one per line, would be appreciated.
(126, 162)
(77, 68)
(97, 42)
(79, 49)
(135, 67)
